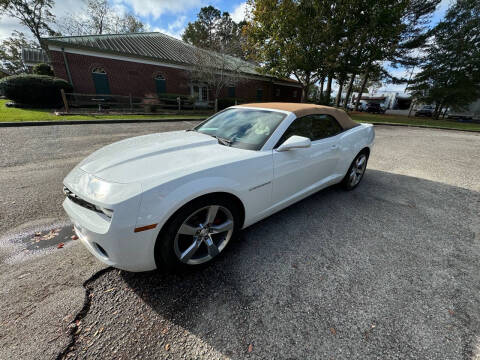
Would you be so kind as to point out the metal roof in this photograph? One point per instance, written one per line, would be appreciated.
(154, 46)
(32, 56)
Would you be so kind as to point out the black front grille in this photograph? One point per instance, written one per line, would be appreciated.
(79, 201)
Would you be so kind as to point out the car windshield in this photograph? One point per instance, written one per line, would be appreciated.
(242, 128)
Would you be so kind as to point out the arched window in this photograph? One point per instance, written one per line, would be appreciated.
(160, 84)
(100, 80)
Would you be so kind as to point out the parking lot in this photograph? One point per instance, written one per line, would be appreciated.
(389, 270)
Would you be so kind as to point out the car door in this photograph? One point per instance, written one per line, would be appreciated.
(298, 170)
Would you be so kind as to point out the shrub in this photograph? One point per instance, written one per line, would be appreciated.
(42, 69)
(34, 90)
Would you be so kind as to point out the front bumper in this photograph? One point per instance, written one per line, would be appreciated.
(111, 240)
(114, 243)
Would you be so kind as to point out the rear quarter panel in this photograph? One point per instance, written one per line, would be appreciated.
(351, 142)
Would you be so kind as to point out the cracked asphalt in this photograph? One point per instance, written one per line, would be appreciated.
(389, 270)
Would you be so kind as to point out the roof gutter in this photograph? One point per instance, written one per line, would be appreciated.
(67, 67)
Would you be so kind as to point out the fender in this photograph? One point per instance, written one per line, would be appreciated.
(159, 204)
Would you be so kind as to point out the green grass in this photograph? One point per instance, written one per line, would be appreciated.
(14, 115)
(414, 121)
(17, 115)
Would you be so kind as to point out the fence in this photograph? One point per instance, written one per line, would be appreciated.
(162, 104)
(107, 103)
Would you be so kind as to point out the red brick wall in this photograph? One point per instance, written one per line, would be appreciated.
(127, 77)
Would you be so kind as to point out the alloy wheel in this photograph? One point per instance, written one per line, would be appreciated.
(204, 234)
(357, 171)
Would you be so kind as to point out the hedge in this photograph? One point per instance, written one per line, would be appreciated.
(34, 90)
(42, 69)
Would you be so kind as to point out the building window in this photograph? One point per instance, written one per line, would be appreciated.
(100, 81)
(259, 94)
(204, 94)
(295, 93)
(160, 84)
(200, 93)
(277, 92)
(231, 91)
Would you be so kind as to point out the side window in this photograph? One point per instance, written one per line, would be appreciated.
(324, 126)
(300, 127)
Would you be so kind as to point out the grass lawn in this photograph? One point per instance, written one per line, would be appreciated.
(15, 114)
(416, 121)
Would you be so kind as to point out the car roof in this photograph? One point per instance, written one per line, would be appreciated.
(302, 109)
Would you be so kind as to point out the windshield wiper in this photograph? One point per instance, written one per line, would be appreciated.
(223, 141)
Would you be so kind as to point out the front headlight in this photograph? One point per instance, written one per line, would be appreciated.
(93, 188)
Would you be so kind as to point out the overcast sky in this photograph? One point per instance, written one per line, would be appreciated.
(171, 16)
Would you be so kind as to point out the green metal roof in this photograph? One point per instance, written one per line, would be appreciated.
(154, 46)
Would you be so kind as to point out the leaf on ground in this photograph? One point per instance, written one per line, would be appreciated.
(109, 290)
(250, 348)
(59, 246)
(167, 347)
(74, 237)
(333, 331)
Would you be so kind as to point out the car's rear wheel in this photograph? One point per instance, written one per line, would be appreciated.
(355, 171)
(197, 233)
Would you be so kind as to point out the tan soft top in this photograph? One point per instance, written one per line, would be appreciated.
(300, 109)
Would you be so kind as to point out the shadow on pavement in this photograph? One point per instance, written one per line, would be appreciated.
(388, 270)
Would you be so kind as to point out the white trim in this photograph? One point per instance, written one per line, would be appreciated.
(286, 84)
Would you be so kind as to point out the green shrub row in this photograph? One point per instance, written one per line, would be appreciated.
(34, 90)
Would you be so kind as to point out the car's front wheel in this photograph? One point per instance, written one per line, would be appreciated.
(197, 233)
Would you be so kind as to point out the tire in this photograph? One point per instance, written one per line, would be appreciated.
(193, 237)
(354, 175)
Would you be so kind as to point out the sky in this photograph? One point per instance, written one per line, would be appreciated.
(171, 17)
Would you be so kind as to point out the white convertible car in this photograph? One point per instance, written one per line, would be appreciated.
(176, 199)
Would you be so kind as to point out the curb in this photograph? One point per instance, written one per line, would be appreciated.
(82, 122)
(421, 126)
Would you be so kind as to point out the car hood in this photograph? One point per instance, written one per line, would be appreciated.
(163, 156)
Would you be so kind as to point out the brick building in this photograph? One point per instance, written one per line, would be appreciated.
(153, 63)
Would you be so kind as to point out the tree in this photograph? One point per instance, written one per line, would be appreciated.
(286, 38)
(36, 15)
(215, 31)
(99, 17)
(11, 52)
(217, 70)
(450, 72)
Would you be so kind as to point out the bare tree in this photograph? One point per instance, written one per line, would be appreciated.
(99, 17)
(217, 71)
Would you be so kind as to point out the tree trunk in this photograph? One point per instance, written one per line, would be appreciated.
(322, 81)
(328, 92)
(362, 89)
(304, 93)
(438, 107)
(339, 93)
(349, 90)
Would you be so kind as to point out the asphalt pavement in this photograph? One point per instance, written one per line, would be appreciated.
(389, 270)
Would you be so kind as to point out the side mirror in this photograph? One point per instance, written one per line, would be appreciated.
(295, 142)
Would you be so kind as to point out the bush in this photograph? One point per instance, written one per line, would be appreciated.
(34, 90)
(42, 69)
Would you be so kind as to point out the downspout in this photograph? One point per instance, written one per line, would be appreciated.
(67, 67)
